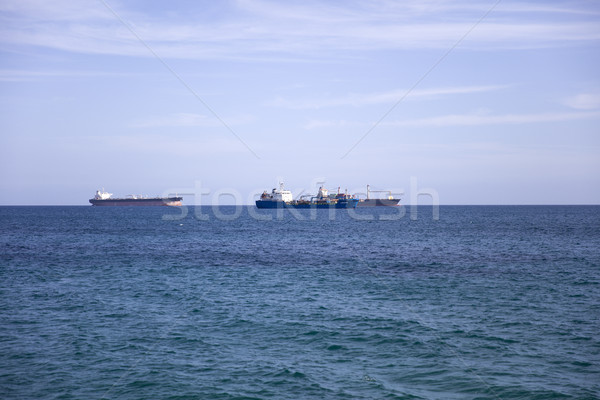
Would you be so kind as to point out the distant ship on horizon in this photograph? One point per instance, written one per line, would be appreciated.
(390, 201)
(323, 199)
(279, 198)
(103, 198)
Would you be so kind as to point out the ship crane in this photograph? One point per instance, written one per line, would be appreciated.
(389, 192)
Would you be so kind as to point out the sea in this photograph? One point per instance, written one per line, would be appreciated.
(455, 302)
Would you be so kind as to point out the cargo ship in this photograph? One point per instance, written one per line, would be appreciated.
(369, 202)
(281, 198)
(103, 198)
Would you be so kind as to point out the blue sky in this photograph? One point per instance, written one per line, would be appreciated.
(485, 102)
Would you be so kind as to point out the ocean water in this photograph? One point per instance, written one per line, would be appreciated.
(498, 302)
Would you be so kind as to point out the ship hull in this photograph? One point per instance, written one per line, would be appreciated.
(378, 203)
(281, 204)
(158, 201)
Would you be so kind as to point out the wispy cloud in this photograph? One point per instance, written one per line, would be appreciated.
(176, 120)
(266, 29)
(464, 120)
(483, 119)
(14, 75)
(187, 120)
(584, 101)
(363, 99)
(172, 145)
(317, 124)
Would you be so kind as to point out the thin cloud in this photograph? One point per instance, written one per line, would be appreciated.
(444, 121)
(270, 30)
(179, 120)
(12, 75)
(364, 99)
(317, 124)
(584, 101)
(169, 145)
(476, 119)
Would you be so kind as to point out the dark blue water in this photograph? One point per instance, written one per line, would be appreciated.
(130, 303)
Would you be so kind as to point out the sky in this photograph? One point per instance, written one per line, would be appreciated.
(474, 102)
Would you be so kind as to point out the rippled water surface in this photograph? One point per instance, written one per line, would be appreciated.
(139, 302)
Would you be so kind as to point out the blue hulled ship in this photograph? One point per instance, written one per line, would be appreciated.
(280, 198)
